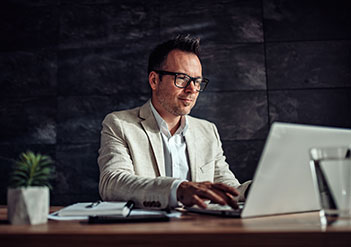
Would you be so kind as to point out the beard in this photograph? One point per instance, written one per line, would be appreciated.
(174, 108)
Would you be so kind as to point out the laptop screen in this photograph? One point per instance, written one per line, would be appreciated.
(283, 181)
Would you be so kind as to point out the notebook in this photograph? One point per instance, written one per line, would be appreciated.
(96, 208)
(283, 181)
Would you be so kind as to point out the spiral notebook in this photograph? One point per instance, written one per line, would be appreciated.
(96, 209)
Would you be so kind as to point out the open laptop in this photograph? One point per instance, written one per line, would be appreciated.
(283, 181)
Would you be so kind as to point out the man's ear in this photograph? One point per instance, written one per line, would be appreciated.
(153, 80)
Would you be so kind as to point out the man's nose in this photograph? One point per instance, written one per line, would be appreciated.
(191, 87)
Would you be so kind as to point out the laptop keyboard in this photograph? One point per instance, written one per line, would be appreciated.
(219, 210)
(213, 206)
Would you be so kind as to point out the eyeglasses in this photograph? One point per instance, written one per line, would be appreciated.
(183, 80)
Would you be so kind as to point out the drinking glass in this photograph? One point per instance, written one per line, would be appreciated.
(331, 172)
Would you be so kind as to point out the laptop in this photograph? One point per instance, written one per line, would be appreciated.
(283, 181)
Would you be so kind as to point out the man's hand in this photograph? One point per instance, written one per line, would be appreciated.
(191, 193)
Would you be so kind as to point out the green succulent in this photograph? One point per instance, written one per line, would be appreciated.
(32, 170)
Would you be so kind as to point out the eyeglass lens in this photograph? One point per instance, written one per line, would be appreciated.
(183, 80)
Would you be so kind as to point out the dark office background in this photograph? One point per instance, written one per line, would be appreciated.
(65, 64)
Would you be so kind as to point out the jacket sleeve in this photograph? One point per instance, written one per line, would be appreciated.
(222, 172)
(118, 181)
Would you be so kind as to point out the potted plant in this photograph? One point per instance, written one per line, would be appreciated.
(28, 192)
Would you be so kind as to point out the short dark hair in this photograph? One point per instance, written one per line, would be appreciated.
(183, 42)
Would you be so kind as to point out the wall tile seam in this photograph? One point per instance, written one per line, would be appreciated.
(23, 97)
(310, 89)
(61, 47)
(307, 40)
(264, 25)
(52, 48)
(61, 95)
(106, 46)
(207, 43)
(244, 140)
(224, 140)
(236, 91)
(57, 143)
(78, 143)
(32, 49)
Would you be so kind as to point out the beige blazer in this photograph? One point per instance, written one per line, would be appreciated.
(131, 158)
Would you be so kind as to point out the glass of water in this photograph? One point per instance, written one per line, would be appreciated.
(331, 172)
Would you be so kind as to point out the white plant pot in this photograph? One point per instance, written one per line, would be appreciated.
(28, 205)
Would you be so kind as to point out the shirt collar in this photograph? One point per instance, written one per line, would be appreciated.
(163, 125)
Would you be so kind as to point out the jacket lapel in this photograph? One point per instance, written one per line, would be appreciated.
(152, 130)
(191, 148)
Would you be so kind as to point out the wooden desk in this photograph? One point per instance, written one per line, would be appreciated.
(191, 230)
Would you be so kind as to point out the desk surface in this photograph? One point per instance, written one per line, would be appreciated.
(302, 229)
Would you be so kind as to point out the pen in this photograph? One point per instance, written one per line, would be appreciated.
(128, 208)
(93, 204)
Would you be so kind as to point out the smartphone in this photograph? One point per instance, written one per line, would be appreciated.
(112, 219)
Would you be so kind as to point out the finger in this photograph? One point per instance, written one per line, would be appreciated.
(232, 201)
(226, 188)
(199, 202)
(212, 195)
(229, 198)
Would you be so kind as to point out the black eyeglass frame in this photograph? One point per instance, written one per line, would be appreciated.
(164, 72)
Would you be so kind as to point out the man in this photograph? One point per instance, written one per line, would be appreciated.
(156, 154)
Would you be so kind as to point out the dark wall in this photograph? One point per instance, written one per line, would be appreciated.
(65, 64)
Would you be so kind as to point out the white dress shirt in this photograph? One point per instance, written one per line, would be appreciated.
(175, 155)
